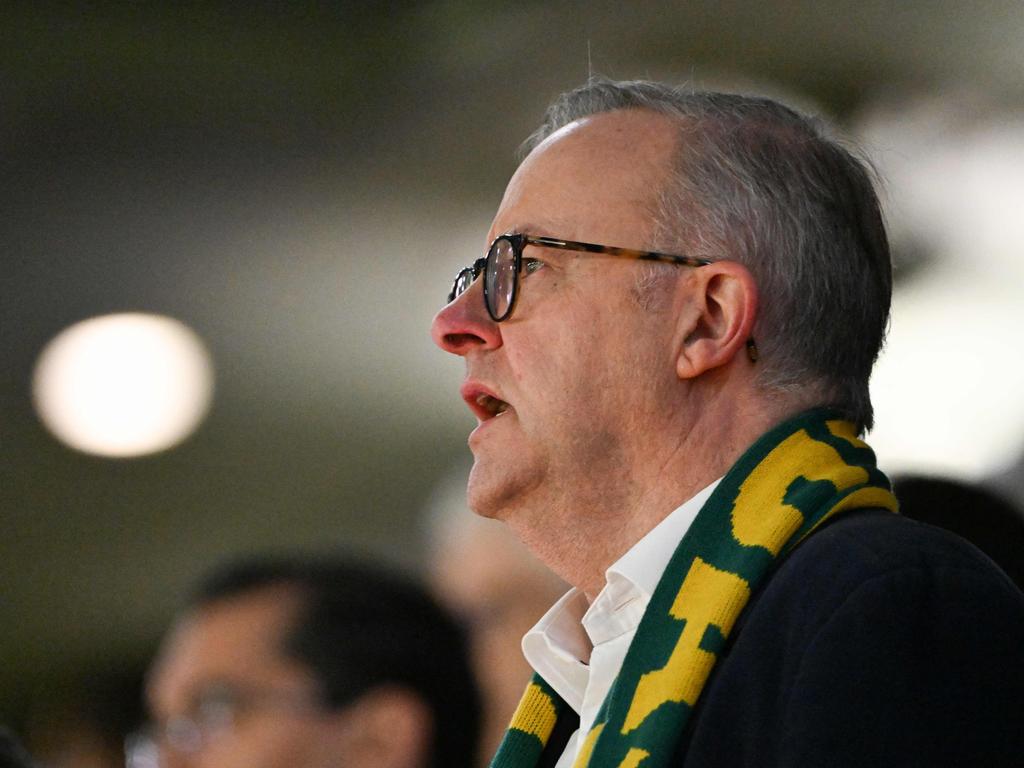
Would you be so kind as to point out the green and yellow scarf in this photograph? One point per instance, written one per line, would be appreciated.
(789, 482)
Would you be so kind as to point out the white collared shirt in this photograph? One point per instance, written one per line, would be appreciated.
(579, 649)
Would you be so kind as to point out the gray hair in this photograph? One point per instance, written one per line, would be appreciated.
(757, 182)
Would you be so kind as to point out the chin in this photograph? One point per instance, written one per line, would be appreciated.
(482, 498)
(493, 491)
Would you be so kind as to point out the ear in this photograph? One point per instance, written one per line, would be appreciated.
(717, 319)
(386, 727)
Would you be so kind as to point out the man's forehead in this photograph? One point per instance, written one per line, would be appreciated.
(222, 639)
(597, 168)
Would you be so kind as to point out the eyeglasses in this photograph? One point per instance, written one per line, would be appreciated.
(504, 262)
(215, 710)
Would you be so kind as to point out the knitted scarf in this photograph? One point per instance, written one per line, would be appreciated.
(792, 479)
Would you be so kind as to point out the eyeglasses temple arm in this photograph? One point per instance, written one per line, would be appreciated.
(611, 250)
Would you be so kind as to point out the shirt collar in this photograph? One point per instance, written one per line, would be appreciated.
(559, 645)
(558, 649)
(645, 562)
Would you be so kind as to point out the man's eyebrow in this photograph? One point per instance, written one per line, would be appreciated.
(537, 230)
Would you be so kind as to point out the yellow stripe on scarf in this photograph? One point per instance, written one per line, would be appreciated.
(535, 714)
(761, 517)
(707, 596)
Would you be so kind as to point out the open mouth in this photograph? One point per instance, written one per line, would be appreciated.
(490, 406)
(484, 404)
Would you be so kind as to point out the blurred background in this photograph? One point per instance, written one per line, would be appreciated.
(277, 201)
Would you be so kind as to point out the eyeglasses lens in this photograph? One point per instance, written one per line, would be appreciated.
(462, 281)
(143, 748)
(500, 278)
(141, 751)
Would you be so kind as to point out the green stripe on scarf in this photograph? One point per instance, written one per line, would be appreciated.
(790, 481)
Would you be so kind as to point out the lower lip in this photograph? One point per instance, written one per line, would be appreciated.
(484, 424)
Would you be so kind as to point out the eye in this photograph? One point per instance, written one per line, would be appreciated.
(532, 265)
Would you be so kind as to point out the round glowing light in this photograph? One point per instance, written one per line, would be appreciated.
(123, 385)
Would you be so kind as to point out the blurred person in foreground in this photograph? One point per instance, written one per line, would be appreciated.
(310, 664)
(82, 720)
(985, 518)
(12, 753)
(485, 575)
(667, 348)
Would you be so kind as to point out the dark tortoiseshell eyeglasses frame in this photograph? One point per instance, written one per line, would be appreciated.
(468, 275)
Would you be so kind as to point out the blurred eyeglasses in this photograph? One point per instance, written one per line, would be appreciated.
(215, 711)
(504, 262)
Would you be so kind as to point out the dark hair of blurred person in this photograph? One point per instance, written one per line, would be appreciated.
(12, 754)
(311, 664)
(986, 519)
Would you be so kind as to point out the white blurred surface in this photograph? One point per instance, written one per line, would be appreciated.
(949, 387)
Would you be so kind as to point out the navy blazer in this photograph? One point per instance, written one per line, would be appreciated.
(879, 641)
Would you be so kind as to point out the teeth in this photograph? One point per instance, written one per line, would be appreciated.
(491, 404)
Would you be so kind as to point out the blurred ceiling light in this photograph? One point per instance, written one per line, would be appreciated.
(123, 385)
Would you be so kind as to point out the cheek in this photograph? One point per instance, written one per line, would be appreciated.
(267, 744)
(230, 753)
(542, 363)
(527, 362)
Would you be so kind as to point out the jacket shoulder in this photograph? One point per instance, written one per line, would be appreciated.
(871, 545)
(878, 640)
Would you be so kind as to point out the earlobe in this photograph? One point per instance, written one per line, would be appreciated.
(718, 326)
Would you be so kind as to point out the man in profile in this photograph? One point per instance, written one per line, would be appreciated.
(667, 348)
(310, 664)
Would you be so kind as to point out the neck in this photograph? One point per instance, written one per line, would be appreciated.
(583, 534)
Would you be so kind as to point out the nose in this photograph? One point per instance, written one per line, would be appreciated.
(465, 325)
